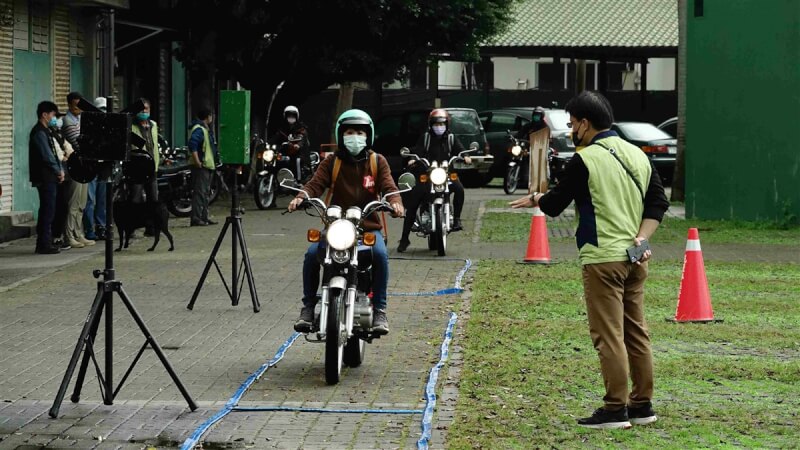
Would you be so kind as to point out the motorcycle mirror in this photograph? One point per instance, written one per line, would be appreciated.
(473, 146)
(406, 181)
(286, 178)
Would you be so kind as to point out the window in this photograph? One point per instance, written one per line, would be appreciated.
(464, 122)
(21, 25)
(501, 123)
(76, 39)
(388, 126)
(641, 131)
(40, 26)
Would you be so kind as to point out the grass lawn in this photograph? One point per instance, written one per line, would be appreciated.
(530, 370)
(511, 227)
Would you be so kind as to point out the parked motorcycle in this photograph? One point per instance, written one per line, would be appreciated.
(175, 180)
(435, 213)
(517, 166)
(344, 318)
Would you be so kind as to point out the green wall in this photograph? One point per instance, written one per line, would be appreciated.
(80, 77)
(179, 116)
(32, 84)
(743, 109)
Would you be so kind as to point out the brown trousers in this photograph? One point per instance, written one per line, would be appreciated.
(614, 294)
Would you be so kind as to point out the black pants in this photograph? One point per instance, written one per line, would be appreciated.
(414, 197)
(61, 209)
(47, 211)
(201, 183)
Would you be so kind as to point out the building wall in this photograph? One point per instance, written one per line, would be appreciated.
(6, 104)
(59, 20)
(742, 106)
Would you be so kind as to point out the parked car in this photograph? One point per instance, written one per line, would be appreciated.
(497, 122)
(402, 129)
(670, 126)
(655, 143)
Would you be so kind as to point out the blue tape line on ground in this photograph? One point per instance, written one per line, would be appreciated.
(430, 388)
(457, 289)
(324, 410)
(192, 440)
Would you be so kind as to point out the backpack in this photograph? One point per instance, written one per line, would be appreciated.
(427, 141)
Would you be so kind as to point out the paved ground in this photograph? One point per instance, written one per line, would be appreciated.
(214, 348)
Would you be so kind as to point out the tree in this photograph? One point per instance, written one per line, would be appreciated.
(260, 43)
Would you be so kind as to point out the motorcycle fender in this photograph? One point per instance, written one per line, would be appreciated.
(337, 283)
(438, 201)
(512, 164)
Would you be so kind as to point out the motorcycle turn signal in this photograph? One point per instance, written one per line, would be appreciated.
(369, 239)
(313, 235)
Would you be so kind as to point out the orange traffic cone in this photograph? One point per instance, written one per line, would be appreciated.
(694, 299)
(538, 247)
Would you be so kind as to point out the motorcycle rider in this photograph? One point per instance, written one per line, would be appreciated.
(439, 144)
(355, 185)
(537, 123)
(297, 151)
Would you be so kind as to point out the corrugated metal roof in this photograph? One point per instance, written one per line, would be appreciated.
(591, 23)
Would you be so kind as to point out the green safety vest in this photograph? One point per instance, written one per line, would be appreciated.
(154, 131)
(616, 196)
(208, 153)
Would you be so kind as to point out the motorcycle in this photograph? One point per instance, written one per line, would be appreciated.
(435, 213)
(269, 157)
(174, 177)
(518, 150)
(344, 317)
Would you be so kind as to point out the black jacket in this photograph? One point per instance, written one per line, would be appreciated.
(297, 128)
(438, 148)
(43, 164)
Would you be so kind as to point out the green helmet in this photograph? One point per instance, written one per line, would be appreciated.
(354, 118)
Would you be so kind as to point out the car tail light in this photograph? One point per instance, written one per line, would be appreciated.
(655, 149)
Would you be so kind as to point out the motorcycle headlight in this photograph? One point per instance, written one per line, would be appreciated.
(340, 256)
(269, 155)
(438, 176)
(516, 150)
(342, 235)
(353, 213)
(334, 212)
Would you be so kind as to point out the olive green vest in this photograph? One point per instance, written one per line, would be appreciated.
(154, 131)
(617, 201)
(208, 153)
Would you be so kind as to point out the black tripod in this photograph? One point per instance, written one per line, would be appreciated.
(104, 300)
(234, 221)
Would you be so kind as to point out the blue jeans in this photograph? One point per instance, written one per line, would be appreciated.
(95, 212)
(380, 273)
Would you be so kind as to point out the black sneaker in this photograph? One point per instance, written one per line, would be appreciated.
(642, 415)
(604, 419)
(380, 324)
(306, 320)
(61, 244)
(457, 226)
(47, 251)
(403, 245)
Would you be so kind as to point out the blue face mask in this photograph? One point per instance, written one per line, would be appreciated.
(143, 116)
(355, 143)
(53, 122)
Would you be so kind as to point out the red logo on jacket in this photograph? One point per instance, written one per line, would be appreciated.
(369, 183)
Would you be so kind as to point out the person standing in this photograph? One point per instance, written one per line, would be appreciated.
(45, 173)
(620, 203)
(77, 192)
(148, 131)
(203, 158)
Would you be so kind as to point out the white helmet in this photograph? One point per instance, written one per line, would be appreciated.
(100, 102)
(293, 110)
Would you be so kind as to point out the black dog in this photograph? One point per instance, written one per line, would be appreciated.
(130, 215)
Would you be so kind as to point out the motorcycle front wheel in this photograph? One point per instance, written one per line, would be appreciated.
(336, 336)
(354, 351)
(440, 236)
(214, 187)
(180, 207)
(512, 180)
(264, 192)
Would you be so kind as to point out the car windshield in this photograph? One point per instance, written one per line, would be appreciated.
(642, 131)
(558, 119)
(464, 122)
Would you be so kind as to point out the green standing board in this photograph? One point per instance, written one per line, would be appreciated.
(234, 127)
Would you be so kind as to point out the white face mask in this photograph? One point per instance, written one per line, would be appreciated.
(291, 120)
(355, 143)
(439, 129)
(59, 123)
